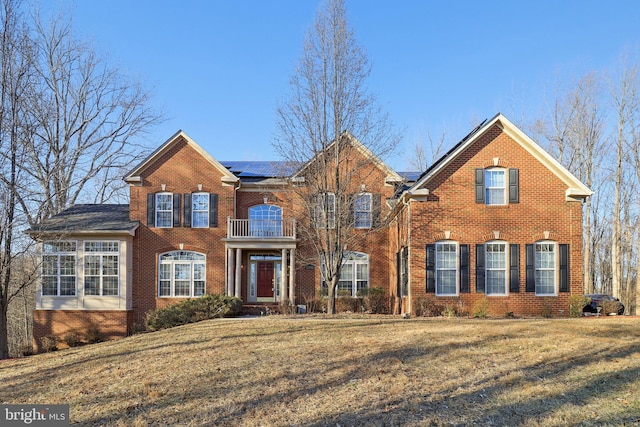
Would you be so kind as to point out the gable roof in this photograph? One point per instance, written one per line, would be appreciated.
(392, 175)
(88, 219)
(133, 177)
(575, 188)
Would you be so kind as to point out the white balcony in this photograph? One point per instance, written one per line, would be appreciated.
(252, 229)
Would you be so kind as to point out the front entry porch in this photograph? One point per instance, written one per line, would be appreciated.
(263, 276)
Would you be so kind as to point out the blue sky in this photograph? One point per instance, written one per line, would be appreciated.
(218, 68)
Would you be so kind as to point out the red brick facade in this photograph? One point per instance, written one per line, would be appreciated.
(440, 207)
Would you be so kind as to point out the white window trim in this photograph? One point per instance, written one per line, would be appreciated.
(506, 268)
(101, 276)
(157, 210)
(172, 288)
(364, 259)
(504, 188)
(556, 269)
(194, 211)
(59, 276)
(457, 268)
(367, 211)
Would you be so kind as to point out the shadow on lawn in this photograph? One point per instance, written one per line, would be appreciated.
(471, 401)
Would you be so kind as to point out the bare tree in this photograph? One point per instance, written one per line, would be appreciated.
(86, 116)
(575, 134)
(16, 74)
(625, 98)
(328, 97)
(67, 126)
(425, 151)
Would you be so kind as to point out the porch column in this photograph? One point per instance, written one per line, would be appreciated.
(228, 290)
(292, 276)
(283, 277)
(238, 284)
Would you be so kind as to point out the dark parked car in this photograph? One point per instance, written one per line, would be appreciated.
(607, 304)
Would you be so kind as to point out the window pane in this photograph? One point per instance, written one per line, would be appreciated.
(198, 288)
(165, 288)
(362, 211)
(496, 282)
(200, 210)
(182, 272)
(67, 265)
(92, 285)
(164, 202)
(50, 285)
(446, 268)
(496, 268)
(446, 281)
(110, 265)
(110, 286)
(545, 282)
(91, 265)
(182, 288)
(50, 265)
(495, 187)
(545, 264)
(164, 219)
(198, 271)
(200, 219)
(68, 285)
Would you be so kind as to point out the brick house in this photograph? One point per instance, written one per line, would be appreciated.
(494, 218)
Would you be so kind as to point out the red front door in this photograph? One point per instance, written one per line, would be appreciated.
(265, 279)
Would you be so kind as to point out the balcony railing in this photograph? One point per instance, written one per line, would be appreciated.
(261, 229)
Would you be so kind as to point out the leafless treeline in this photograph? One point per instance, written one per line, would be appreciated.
(67, 123)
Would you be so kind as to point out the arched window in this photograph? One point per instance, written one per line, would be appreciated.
(181, 274)
(265, 220)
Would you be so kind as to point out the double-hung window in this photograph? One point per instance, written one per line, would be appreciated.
(181, 274)
(362, 210)
(101, 268)
(495, 188)
(446, 268)
(200, 210)
(496, 268)
(59, 268)
(164, 210)
(545, 268)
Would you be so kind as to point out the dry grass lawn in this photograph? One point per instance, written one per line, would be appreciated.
(315, 371)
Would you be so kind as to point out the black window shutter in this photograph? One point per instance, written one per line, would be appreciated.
(564, 268)
(176, 210)
(151, 210)
(405, 273)
(479, 185)
(431, 268)
(514, 268)
(464, 269)
(480, 269)
(530, 259)
(376, 210)
(187, 210)
(514, 183)
(213, 210)
(398, 274)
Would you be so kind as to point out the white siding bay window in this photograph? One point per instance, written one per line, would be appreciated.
(85, 274)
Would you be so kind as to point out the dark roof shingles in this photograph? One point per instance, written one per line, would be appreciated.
(88, 218)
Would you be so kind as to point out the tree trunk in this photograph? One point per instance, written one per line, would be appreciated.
(331, 300)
